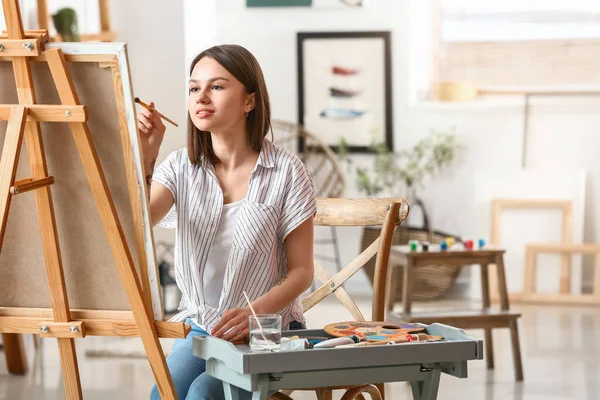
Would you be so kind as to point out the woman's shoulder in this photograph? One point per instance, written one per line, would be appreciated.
(284, 159)
(178, 157)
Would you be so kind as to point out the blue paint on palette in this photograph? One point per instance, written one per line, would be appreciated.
(388, 332)
(409, 326)
(377, 337)
(342, 327)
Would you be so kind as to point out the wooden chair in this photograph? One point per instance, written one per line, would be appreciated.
(387, 213)
(324, 168)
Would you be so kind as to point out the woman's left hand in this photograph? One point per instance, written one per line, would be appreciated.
(233, 325)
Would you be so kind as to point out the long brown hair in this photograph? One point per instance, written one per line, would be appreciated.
(245, 68)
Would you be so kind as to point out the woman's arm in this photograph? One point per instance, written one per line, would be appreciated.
(301, 269)
(300, 262)
(152, 132)
(161, 201)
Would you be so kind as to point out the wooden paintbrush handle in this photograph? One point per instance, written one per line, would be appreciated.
(147, 107)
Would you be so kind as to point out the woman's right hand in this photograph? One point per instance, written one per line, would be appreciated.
(152, 131)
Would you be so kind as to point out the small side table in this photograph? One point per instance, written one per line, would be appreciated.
(486, 319)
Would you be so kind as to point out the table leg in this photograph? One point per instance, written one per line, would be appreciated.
(407, 287)
(514, 331)
(485, 297)
(16, 357)
(516, 349)
(427, 389)
(263, 388)
(502, 282)
(231, 392)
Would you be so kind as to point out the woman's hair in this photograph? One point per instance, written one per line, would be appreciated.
(244, 66)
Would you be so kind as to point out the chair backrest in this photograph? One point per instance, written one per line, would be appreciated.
(388, 213)
(317, 156)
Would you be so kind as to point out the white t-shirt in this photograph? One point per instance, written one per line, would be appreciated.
(216, 263)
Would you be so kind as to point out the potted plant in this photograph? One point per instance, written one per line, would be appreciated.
(403, 174)
(404, 171)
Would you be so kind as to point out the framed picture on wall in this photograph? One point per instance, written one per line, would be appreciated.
(307, 3)
(345, 87)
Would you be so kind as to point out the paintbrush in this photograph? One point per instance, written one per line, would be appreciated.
(147, 107)
(262, 332)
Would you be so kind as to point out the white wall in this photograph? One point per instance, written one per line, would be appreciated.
(270, 34)
(163, 37)
(154, 33)
(563, 132)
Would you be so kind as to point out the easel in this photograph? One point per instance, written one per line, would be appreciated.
(61, 321)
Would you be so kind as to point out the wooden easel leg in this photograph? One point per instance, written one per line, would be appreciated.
(49, 235)
(8, 162)
(16, 357)
(70, 368)
(112, 226)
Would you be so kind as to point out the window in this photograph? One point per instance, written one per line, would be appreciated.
(520, 42)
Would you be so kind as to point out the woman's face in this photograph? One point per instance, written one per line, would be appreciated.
(217, 101)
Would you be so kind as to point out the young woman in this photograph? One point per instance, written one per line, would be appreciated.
(243, 211)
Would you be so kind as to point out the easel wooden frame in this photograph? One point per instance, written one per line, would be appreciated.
(498, 205)
(105, 34)
(529, 294)
(24, 120)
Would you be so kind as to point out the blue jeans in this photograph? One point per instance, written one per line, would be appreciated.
(188, 372)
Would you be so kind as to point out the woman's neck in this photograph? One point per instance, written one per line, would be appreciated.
(232, 150)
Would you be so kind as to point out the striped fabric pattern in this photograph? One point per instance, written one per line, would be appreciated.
(280, 197)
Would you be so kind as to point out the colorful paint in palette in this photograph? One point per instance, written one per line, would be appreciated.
(374, 331)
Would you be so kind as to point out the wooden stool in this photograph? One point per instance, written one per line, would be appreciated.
(486, 319)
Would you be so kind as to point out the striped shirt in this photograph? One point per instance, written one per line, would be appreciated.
(280, 197)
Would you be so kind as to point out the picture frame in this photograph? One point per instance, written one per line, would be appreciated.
(345, 88)
(339, 4)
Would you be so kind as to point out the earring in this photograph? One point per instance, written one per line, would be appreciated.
(247, 114)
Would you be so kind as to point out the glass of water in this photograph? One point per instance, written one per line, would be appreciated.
(271, 326)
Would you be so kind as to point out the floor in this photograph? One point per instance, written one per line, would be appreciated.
(560, 346)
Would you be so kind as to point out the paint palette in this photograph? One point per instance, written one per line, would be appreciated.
(373, 331)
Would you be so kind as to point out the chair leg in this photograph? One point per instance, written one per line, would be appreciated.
(279, 396)
(392, 287)
(516, 349)
(324, 394)
(381, 387)
(489, 349)
(355, 392)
